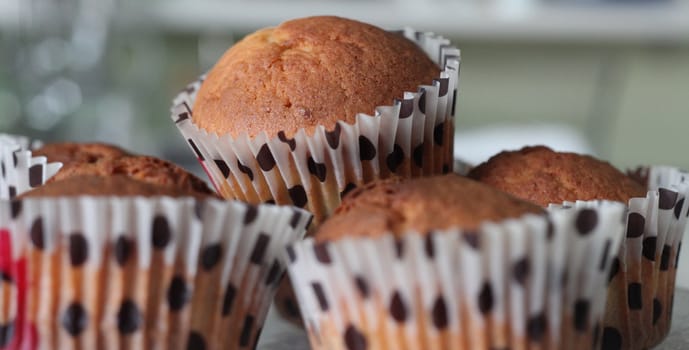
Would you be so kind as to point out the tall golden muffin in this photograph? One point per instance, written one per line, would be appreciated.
(289, 115)
(308, 72)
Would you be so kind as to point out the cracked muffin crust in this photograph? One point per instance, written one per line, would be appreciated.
(421, 205)
(543, 176)
(115, 185)
(308, 72)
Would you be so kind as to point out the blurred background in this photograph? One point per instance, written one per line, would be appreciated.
(607, 77)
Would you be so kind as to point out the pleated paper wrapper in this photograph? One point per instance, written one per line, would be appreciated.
(139, 273)
(412, 137)
(531, 283)
(19, 170)
(642, 280)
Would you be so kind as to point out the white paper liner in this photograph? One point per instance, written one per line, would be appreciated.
(412, 137)
(24, 142)
(19, 171)
(642, 283)
(523, 283)
(143, 273)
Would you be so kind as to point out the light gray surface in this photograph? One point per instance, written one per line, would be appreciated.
(280, 335)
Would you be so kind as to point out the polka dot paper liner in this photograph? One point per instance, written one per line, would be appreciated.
(642, 280)
(139, 273)
(412, 137)
(535, 282)
(19, 171)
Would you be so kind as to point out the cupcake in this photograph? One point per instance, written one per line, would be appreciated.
(112, 261)
(302, 113)
(20, 169)
(99, 159)
(642, 282)
(282, 116)
(445, 262)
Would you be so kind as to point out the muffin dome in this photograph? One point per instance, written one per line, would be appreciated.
(543, 176)
(420, 205)
(142, 168)
(116, 185)
(308, 72)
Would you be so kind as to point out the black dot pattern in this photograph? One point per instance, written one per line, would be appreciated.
(177, 293)
(316, 169)
(123, 250)
(612, 339)
(417, 156)
(521, 270)
(161, 232)
(78, 249)
(485, 298)
(586, 221)
(273, 275)
(36, 233)
(657, 310)
(333, 136)
(582, 309)
(128, 317)
(395, 159)
(320, 250)
(367, 150)
(290, 142)
(196, 341)
(634, 296)
(398, 309)
(265, 158)
(635, 225)
(320, 296)
(251, 214)
(223, 167)
(6, 333)
(228, 301)
(354, 339)
(245, 336)
(246, 170)
(648, 249)
(439, 314)
(74, 319)
(298, 195)
(536, 327)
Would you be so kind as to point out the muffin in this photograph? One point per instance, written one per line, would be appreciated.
(642, 283)
(423, 205)
(105, 160)
(280, 118)
(445, 262)
(305, 73)
(72, 153)
(304, 112)
(96, 261)
(543, 176)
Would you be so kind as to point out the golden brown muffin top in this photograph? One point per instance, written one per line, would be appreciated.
(116, 185)
(142, 168)
(69, 153)
(543, 176)
(308, 72)
(420, 205)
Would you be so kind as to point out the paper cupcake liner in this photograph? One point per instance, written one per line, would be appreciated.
(533, 282)
(19, 171)
(24, 142)
(140, 273)
(642, 281)
(412, 137)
